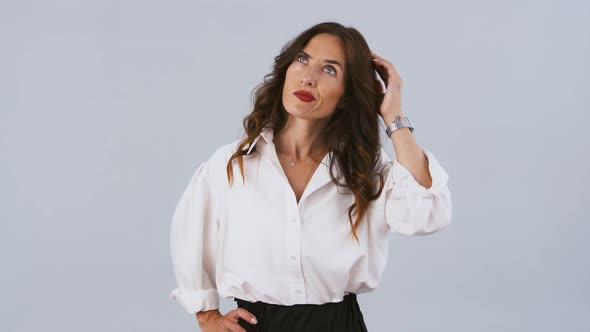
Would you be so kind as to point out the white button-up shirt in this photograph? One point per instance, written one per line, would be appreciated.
(254, 241)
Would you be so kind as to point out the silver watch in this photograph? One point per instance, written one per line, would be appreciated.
(399, 123)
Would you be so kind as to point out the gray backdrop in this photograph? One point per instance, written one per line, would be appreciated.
(108, 107)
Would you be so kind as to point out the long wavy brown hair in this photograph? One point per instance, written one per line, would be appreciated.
(352, 133)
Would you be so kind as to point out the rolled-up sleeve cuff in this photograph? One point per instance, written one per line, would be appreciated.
(406, 183)
(412, 209)
(195, 301)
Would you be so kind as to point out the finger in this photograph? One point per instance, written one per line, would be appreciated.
(377, 58)
(393, 69)
(244, 314)
(382, 61)
(382, 65)
(382, 71)
(392, 74)
(378, 61)
(388, 66)
(375, 55)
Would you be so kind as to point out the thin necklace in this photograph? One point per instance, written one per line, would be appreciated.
(308, 177)
(292, 163)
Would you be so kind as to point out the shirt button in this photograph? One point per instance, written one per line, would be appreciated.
(293, 258)
(293, 220)
(298, 291)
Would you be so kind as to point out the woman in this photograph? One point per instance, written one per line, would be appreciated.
(300, 235)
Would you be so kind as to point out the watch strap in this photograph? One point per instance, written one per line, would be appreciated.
(398, 124)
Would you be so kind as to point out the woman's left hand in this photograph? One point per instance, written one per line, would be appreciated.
(391, 104)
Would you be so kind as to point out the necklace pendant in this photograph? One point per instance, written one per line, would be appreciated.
(292, 163)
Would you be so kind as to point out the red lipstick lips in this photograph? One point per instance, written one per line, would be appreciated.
(304, 95)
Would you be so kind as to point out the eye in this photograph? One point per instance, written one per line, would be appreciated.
(333, 70)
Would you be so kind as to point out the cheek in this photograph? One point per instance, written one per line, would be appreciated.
(289, 70)
(292, 68)
(291, 76)
(288, 77)
(333, 91)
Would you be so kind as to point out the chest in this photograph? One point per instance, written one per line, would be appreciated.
(298, 175)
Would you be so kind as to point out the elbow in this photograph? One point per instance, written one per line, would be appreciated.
(420, 228)
(424, 216)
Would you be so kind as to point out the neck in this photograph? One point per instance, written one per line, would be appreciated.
(301, 138)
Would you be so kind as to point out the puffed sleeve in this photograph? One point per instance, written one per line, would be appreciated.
(412, 209)
(194, 244)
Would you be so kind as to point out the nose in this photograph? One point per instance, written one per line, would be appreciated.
(308, 78)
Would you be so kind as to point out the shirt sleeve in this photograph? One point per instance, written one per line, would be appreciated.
(412, 209)
(194, 245)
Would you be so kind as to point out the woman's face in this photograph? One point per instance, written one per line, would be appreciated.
(319, 70)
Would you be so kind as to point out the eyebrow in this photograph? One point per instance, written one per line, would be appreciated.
(327, 60)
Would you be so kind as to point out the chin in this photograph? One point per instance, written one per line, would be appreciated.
(294, 111)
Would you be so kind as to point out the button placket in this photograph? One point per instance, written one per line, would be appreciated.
(293, 257)
(293, 250)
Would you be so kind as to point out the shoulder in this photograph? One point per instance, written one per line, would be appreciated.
(216, 164)
(222, 154)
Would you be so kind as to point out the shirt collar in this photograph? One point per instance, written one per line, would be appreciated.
(266, 133)
(319, 179)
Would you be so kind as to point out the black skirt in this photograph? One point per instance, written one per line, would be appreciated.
(344, 316)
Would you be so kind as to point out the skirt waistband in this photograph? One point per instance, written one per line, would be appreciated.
(344, 316)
